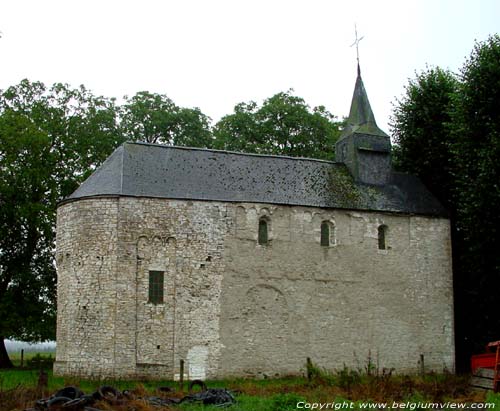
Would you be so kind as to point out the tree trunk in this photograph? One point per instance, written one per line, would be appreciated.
(5, 361)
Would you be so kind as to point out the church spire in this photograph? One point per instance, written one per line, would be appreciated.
(363, 147)
(361, 118)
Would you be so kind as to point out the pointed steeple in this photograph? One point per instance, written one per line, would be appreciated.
(363, 147)
(361, 119)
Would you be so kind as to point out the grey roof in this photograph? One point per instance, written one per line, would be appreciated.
(149, 170)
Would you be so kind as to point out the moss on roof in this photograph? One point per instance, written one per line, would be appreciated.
(149, 170)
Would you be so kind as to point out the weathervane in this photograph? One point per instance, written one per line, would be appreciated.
(356, 43)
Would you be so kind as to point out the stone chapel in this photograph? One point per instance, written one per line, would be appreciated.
(245, 265)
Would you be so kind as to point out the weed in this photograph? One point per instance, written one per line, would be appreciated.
(18, 390)
(18, 398)
(347, 377)
(286, 402)
(316, 373)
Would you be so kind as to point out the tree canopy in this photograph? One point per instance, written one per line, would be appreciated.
(284, 125)
(424, 114)
(476, 130)
(448, 132)
(155, 118)
(50, 140)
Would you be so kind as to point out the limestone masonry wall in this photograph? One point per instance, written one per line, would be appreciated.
(234, 307)
(86, 296)
(340, 304)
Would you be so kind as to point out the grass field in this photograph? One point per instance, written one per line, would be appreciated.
(18, 391)
(15, 356)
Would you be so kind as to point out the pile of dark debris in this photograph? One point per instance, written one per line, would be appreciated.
(73, 399)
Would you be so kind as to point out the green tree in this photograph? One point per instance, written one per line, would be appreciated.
(447, 132)
(420, 127)
(284, 125)
(50, 140)
(476, 131)
(154, 118)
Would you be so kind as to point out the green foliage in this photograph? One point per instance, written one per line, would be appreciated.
(286, 402)
(476, 129)
(493, 398)
(317, 374)
(274, 394)
(420, 128)
(344, 378)
(448, 133)
(154, 118)
(50, 140)
(347, 377)
(283, 125)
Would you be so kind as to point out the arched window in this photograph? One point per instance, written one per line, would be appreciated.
(263, 232)
(327, 237)
(325, 234)
(382, 234)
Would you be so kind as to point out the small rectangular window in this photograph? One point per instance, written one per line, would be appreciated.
(382, 233)
(325, 234)
(156, 287)
(263, 235)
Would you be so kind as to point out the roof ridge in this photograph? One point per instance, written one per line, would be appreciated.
(229, 152)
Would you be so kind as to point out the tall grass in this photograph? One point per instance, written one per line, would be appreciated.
(18, 389)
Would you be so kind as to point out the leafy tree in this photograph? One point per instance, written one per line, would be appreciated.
(154, 118)
(50, 140)
(448, 133)
(476, 129)
(284, 124)
(420, 129)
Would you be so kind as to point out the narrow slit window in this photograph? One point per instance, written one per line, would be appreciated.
(263, 232)
(382, 234)
(156, 279)
(325, 234)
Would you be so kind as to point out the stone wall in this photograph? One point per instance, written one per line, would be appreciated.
(234, 307)
(86, 295)
(341, 304)
(132, 337)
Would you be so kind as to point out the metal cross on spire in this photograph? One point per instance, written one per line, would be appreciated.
(356, 43)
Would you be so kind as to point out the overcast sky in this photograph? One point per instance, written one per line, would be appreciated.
(213, 54)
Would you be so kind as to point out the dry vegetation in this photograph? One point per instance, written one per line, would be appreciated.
(273, 393)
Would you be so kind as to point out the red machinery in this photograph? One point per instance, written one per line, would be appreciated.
(489, 360)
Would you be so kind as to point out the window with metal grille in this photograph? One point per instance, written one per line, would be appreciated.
(263, 234)
(156, 287)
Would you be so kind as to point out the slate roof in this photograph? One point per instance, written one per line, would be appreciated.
(149, 170)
